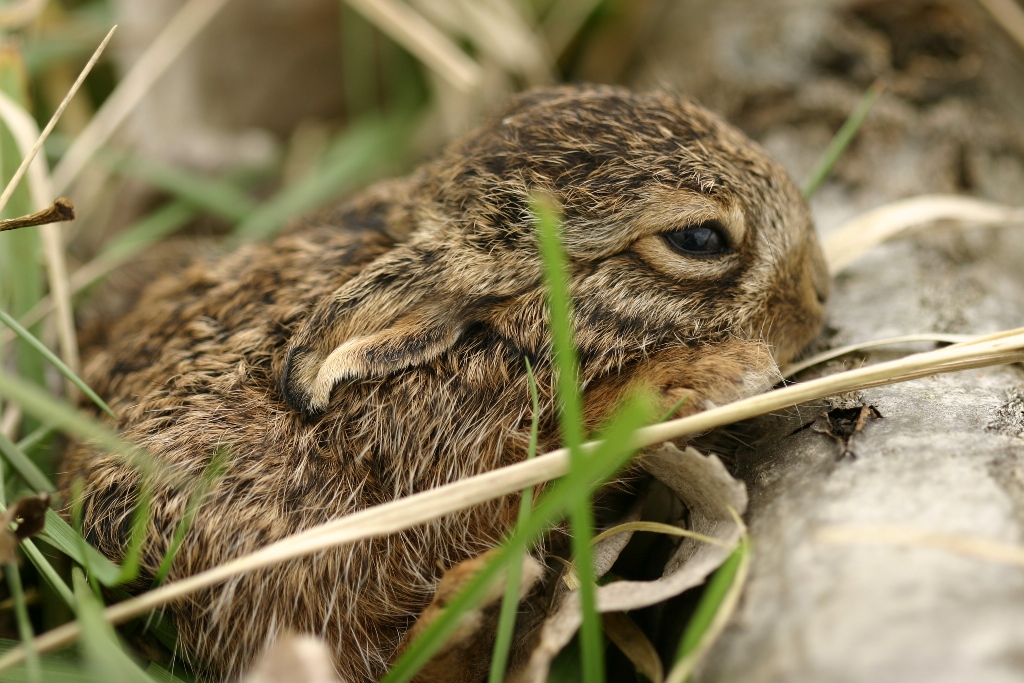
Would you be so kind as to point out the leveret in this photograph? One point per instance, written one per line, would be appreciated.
(378, 350)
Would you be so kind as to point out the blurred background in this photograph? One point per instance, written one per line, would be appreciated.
(243, 115)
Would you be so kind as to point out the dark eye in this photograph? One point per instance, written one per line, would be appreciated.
(704, 239)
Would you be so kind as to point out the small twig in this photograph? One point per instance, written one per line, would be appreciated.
(61, 210)
(16, 178)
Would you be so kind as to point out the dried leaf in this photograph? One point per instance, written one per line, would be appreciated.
(855, 237)
(25, 518)
(634, 643)
(713, 498)
(607, 550)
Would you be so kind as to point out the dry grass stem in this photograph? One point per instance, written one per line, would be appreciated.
(831, 354)
(412, 31)
(57, 276)
(423, 507)
(658, 528)
(1009, 15)
(17, 14)
(16, 178)
(10, 420)
(858, 235)
(25, 133)
(501, 31)
(910, 537)
(157, 58)
(80, 279)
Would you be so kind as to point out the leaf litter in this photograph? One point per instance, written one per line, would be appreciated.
(713, 498)
(24, 519)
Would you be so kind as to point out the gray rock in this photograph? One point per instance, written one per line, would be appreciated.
(948, 455)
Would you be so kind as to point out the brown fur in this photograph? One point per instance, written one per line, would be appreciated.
(378, 351)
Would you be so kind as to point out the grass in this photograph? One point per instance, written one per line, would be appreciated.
(570, 401)
(841, 140)
(37, 400)
(510, 600)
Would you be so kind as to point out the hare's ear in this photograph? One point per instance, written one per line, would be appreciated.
(364, 332)
(310, 376)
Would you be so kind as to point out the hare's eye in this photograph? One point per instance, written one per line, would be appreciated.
(704, 239)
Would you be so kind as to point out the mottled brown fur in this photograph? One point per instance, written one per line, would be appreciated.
(378, 351)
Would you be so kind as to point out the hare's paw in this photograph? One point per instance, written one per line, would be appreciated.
(690, 379)
(723, 373)
(467, 654)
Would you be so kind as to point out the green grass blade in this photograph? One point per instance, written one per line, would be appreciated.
(157, 623)
(841, 140)
(14, 585)
(35, 401)
(710, 602)
(510, 601)
(139, 532)
(672, 411)
(55, 669)
(21, 276)
(556, 279)
(24, 466)
(56, 362)
(146, 231)
(581, 516)
(161, 675)
(161, 626)
(25, 631)
(99, 645)
(219, 197)
(47, 571)
(61, 536)
(211, 474)
(602, 463)
(357, 155)
(37, 436)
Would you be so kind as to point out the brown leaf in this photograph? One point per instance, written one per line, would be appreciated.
(634, 643)
(712, 496)
(25, 518)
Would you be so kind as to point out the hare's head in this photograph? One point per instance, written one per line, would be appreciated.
(680, 232)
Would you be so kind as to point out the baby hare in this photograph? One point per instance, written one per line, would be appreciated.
(378, 350)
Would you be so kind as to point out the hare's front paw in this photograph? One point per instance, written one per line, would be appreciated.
(721, 374)
(691, 379)
(467, 654)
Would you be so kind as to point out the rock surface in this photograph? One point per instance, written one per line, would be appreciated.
(948, 456)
